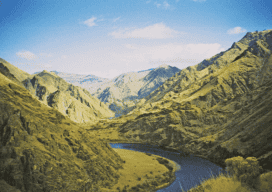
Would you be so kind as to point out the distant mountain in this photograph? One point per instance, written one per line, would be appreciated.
(85, 81)
(75, 102)
(219, 108)
(123, 92)
(43, 150)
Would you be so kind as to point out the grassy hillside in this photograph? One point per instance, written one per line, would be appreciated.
(219, 108)
(18, 73)
(42, 150)
(72, 101)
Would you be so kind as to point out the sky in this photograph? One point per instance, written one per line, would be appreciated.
(109, 37)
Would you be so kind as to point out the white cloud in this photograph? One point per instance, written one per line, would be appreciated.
(168, 52)
(134, 57)
(236, 30)
(166, 5)
(64, 56)
(109, 73)
(26, 55)
(130, 46)
(46, 55)
(116, 19)
(48, 66)
(156, 31)
(148, 1)
(90, 22)
(157, 4)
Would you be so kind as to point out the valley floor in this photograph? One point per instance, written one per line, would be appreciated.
(142, 172)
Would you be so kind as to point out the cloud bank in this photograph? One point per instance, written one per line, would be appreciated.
(156, 31)
(134, 57)
(26, 55)
(236, 30)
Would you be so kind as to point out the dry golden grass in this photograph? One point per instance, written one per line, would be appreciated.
(106, 134)
(226, 183)
(141, 170)
(221, 183)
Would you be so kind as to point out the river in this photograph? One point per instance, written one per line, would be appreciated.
(192, 169)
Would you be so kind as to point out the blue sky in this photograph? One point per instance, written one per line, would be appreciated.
(107, 38)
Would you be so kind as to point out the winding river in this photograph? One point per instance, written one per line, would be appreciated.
(192, 169)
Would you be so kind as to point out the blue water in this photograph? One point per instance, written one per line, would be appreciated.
(192, 169)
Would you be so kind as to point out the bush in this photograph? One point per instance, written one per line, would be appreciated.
(246, 170)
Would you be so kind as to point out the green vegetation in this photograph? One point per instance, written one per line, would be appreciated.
(221, 183)
(243, 176)
(42, 150)
(218, 109)
(245, 170)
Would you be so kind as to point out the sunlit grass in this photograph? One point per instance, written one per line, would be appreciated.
(243, 176)
(221, 183)
(143, 171)
(227, 183)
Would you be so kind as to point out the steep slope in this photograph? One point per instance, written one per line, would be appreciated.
(18, 73)
(42, 150)
(70, 100)
(123, 92)
(5, 71)
(219, 108)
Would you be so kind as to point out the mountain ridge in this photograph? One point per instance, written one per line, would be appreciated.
(206, 109)
(43, 150)
(124, 91)
(70, 100)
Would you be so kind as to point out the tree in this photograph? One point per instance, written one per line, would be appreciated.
(246, 170)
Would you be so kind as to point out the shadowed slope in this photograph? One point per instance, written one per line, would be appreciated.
(42, 150)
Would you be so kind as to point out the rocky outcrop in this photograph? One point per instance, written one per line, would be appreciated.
(72, 101)
(43, 150)
(123, 92)
(218, 109)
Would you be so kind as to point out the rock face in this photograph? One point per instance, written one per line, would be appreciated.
(123, 92)
(219, 108)
(43, 150)
(76, 103)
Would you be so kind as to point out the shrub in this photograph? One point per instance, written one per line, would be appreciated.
(246, 170)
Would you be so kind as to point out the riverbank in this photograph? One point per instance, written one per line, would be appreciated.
(144, 171)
